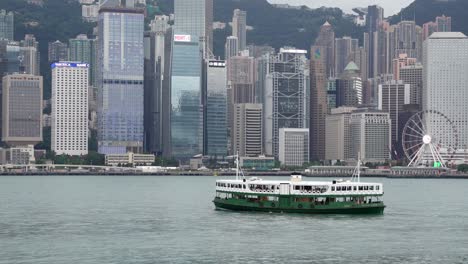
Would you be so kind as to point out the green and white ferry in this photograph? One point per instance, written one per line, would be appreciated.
(299, 196)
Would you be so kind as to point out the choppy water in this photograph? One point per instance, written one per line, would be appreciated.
(172, 220)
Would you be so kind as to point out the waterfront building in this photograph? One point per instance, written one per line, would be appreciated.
(374, 17)
(393, 95)
(239, 27)
(326, 39)
(22, 109)
(285, 96)
(371, 135)
(129, 158)
(349, 87)
(231, 48)
(338, 134)
(293, 146)
(215, 114)
(318, 102)
(58, 51)
(260, 163)
(195, 18)
(70, 108)
(445, 83)
(247, 130)
(84, 50)
(186, 118)
(6, 25)
(120, 80)
(346, 50)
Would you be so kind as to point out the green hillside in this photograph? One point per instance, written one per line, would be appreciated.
(427, 10)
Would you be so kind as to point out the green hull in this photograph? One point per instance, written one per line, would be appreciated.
(336, 208)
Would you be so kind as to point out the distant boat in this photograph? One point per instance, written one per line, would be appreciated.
(298, 196)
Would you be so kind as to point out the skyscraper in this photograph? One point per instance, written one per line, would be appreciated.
(247, 130)
(239, 27)
(30, 55)
(338, 134)
(346, 50)
(231, 48)
(375, 15)
(413, 75)
(445, 77)
(444, 24)
(70, 108)
(84, 50)
(120, 80)
(408, 37)
(195, 18)
(349, 87)
(215, 114)
(285, 96)
(186, 119)
(393, 95)
(6, 25)
(326, 39)
(58, 51)
(293, 146)
(318, 102)
(22, 109)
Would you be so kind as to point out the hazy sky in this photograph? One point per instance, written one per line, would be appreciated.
(391, 6)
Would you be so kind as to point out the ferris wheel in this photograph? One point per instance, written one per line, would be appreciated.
(429, 138)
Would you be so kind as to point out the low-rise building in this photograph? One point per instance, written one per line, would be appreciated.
(260, 163)
(129, 158)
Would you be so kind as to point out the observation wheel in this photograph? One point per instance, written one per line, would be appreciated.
(429, 139)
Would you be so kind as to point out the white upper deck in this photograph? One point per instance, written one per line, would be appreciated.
(296, 186)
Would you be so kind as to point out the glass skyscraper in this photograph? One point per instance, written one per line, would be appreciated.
(186, 108)
(215, 143)
(6, 25)
(83, 49)
(120, 80)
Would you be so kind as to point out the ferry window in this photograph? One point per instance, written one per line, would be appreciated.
(366, 188)
(361, 188)
(338, 188)
(354, 188)
(349, 188)
(371, 188)
(333, 188)
(243, 186)
(377, 187)
(296, 187)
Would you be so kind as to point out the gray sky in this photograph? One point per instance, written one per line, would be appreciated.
(391, 6)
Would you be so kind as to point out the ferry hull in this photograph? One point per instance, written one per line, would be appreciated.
(357, 209)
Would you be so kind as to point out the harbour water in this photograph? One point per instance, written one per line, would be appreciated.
(138, 219)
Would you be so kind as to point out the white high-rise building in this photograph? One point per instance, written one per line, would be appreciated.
(338, 134)
(445, 88)
(70, 108)
(293, 146)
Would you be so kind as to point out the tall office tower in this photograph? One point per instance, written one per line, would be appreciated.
(166, 105)
(30, 55)
(331, 94)
(349, 86)
(70, 108)
(285, 96)
(6, 25)
(293, 146)
(375, 16)
(247, 130)
(371, 135)
(346, 50)
(195, 18)
(413, 75)
(401, 61)
(408, 37)
(58, 51)
(84, 50)
(393, 95)
(384, 49)
(239, 27)
(186, 124)
(22, 109)
(444, 23)
(241, 83)
(338, 134)
(215, 111)
(154, 72)
(261, 67)
(120, 80)
(318, 102)
(326, 38)
(231, 48)
(445, 78)
(428, 29)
